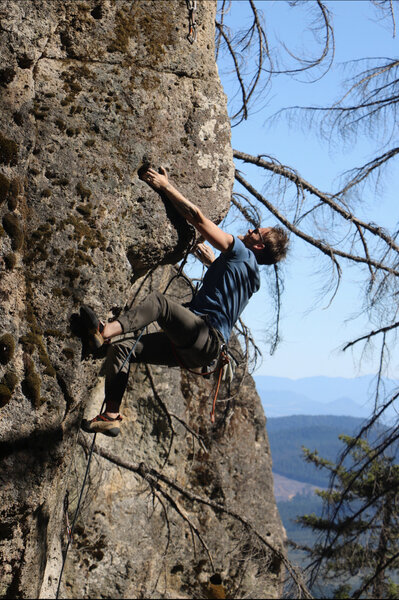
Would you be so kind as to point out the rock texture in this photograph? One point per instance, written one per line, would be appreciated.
(91, 91)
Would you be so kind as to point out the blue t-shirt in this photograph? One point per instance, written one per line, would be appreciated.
(227, 287)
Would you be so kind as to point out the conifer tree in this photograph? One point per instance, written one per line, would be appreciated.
(358, 532)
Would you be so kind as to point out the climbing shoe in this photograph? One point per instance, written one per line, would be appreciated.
(103, 424)
(92, 326)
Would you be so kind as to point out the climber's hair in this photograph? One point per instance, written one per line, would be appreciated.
(276, 247)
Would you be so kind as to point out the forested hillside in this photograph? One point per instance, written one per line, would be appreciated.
(288, 435)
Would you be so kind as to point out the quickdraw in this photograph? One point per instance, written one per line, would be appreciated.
(192, 26)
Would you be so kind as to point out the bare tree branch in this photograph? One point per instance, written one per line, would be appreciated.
(371, 334)
(154, 479)
(327, 49)
(327, 199)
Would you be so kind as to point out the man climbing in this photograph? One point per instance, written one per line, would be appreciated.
(191, 336)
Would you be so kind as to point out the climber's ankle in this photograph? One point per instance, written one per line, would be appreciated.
(112, 415)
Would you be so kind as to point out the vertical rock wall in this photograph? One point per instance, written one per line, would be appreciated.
(92, 90)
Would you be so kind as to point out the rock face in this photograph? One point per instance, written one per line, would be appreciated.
(90, 92)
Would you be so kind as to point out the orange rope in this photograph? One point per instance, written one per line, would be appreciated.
(224, 359)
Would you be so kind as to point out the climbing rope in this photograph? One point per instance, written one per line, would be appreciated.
(192, 26)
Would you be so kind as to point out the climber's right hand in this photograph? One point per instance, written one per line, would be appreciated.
(204, 253)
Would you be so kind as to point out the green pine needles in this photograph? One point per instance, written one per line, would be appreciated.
(358, 532)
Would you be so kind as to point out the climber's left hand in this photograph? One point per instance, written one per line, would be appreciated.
(158, 181)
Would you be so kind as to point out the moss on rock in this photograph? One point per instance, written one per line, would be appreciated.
(10, 261)
(15, 190)
(82, 191)
(7, 387)
(31, 384)
(60, 124)
(7, 348)
(18, 118)
(12, 203)
(12, 226)
(37, 244)
(124, 30)
(69, 353)
(10, 379)
(84, 209)
(5, 395)
(8, 151)
(88, 237)
(6, 76)
(33, 340)
(4, 188)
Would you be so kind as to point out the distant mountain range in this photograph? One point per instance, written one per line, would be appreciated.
(354, 397)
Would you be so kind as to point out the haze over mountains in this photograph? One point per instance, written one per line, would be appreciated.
(354, 397)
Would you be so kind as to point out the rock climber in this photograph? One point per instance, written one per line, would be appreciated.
(191, 335)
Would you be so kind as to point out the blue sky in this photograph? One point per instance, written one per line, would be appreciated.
(312, 334)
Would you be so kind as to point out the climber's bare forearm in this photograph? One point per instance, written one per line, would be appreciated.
(184, 207)
(212, 233)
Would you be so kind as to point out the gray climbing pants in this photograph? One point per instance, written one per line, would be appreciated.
(186, 340)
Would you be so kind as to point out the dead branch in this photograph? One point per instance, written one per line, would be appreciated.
(222, 11)
(165, 552)
(362, 173)
(371, 334)
(164, 408)
(154, 479)
(239, 49)
(328, 48)
(193, 433)
(324, 248)
(183, 515)
(244, 107)
(326, 199)
(254, 219)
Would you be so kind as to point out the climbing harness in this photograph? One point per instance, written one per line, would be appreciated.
(192, 26)
(223, 362)
(225, 366)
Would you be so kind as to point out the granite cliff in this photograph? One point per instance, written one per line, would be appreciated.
(91, 91)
